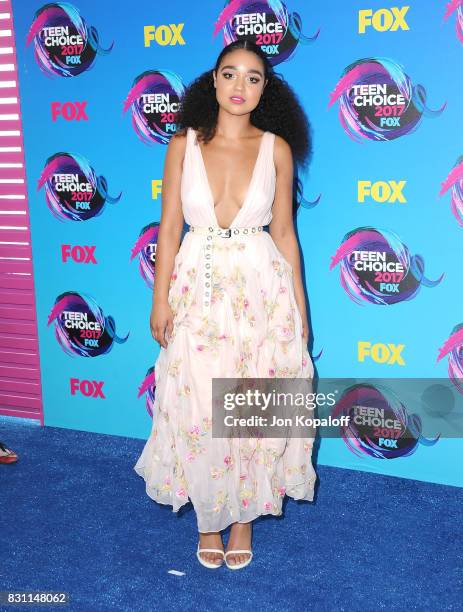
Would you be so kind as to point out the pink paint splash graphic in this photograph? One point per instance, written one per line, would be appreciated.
(148, 387)
(454, 181)
(453, 347)
(456, 6)
(227, 14)
(148, 236)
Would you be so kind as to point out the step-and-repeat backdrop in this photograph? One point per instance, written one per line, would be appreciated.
(380, 225)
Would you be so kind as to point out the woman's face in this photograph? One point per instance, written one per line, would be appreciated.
(239, 82)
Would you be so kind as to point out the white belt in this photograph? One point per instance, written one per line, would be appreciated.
(225, 232)
(217, 232)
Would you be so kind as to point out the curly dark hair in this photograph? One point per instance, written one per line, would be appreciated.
(278, 111)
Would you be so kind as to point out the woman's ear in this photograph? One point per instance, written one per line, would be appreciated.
(214, 77)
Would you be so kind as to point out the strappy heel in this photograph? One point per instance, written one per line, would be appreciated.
(209, 564)
(236, 566)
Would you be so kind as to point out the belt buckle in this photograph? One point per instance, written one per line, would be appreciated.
(225, 230)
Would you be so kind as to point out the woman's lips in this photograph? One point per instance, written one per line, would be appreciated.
(237, 99)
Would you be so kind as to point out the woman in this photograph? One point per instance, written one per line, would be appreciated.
(230, 302)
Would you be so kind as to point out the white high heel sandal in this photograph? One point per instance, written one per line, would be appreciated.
(236, 566)
(209, 564)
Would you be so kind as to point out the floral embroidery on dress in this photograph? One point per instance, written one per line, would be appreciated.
(296, 469)
(288, 330)
(220, 500)
(194, 438)
(167, 485)
(279, 266)
(218, 285)
(230, 245)
(245, 357)
(266, 456)
(181, 299)
(239, 299)
(228, 460)
(247, 494)
(184, 390)
(211, 339)
(174, 367)
(174, 275)
(286, 372)
(216, 472)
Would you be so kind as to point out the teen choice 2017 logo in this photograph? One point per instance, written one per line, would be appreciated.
(379, 424)
(147, 388)
(268, 23)
(456, 6)
(81, 327)
(376, 267)
(73, 191)
(64, 45)
(453, 347)
(154, 101)
(378, 101)
(454, 181)
(145, 248)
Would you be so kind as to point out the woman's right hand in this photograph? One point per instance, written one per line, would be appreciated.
(161, 323)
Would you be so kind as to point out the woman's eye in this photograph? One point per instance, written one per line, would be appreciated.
(228, 75)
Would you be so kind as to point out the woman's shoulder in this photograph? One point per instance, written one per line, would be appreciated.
(177, 145)
(281, 145)
(279, 142)
(282, 152)
(178, 140)
(180, 135)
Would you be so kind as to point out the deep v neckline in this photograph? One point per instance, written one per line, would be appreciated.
(248, 191)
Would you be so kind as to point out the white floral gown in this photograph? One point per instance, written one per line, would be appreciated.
(235, 315)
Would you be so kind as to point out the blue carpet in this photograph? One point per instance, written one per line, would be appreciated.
(75, 518)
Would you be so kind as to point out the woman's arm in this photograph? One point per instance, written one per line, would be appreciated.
(282, 226)
(170, 230)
